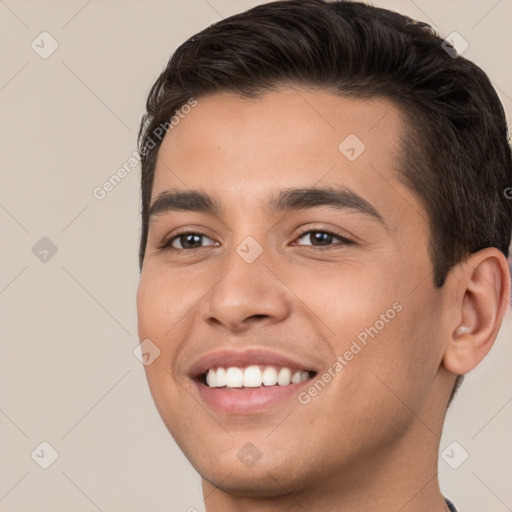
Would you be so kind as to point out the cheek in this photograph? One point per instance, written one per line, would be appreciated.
(343, 300)
(160, 304)
(166, 305)
(383, 331)
(405, 356)
(158, 314)
(151, 302)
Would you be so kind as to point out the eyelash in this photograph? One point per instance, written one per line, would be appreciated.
(167, 245)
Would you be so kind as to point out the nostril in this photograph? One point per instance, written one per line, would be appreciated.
(258, 317)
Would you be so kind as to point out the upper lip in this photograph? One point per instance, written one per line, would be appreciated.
(244, 358)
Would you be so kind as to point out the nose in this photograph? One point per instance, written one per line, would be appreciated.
(246, 294)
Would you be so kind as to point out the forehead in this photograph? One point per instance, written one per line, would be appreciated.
(241, 149)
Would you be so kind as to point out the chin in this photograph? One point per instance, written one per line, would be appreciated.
(252, 483)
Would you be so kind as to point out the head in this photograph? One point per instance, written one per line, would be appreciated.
(271, 99)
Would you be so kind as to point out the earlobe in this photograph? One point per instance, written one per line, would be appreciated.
(482, 287)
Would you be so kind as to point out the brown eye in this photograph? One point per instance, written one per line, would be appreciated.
(321, 238)
(187, 241)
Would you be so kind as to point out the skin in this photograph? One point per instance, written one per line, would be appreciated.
(370, 439)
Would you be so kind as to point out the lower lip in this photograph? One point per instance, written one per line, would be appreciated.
(247, 400)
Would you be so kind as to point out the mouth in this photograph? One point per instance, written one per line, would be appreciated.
(249, 382)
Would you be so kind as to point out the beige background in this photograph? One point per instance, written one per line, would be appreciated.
(68, 373)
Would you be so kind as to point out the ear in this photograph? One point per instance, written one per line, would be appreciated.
(481, 287)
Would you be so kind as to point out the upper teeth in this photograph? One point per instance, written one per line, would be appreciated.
(253, 377)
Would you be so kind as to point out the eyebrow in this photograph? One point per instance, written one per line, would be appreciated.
(284, 200)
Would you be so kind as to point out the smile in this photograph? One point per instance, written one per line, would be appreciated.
(249, 381)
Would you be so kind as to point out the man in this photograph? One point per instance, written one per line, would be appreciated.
(323, 253)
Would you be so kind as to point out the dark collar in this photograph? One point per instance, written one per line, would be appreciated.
(451, 506)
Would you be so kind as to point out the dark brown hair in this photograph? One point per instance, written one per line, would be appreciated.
(457, 157)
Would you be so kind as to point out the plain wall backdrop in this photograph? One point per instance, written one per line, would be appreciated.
(74, 77)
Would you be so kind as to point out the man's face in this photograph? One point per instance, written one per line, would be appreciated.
(349, 284)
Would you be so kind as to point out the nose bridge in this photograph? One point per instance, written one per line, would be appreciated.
(246, 287)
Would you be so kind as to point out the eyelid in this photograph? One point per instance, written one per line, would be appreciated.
(166, 244)
(332, 232)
